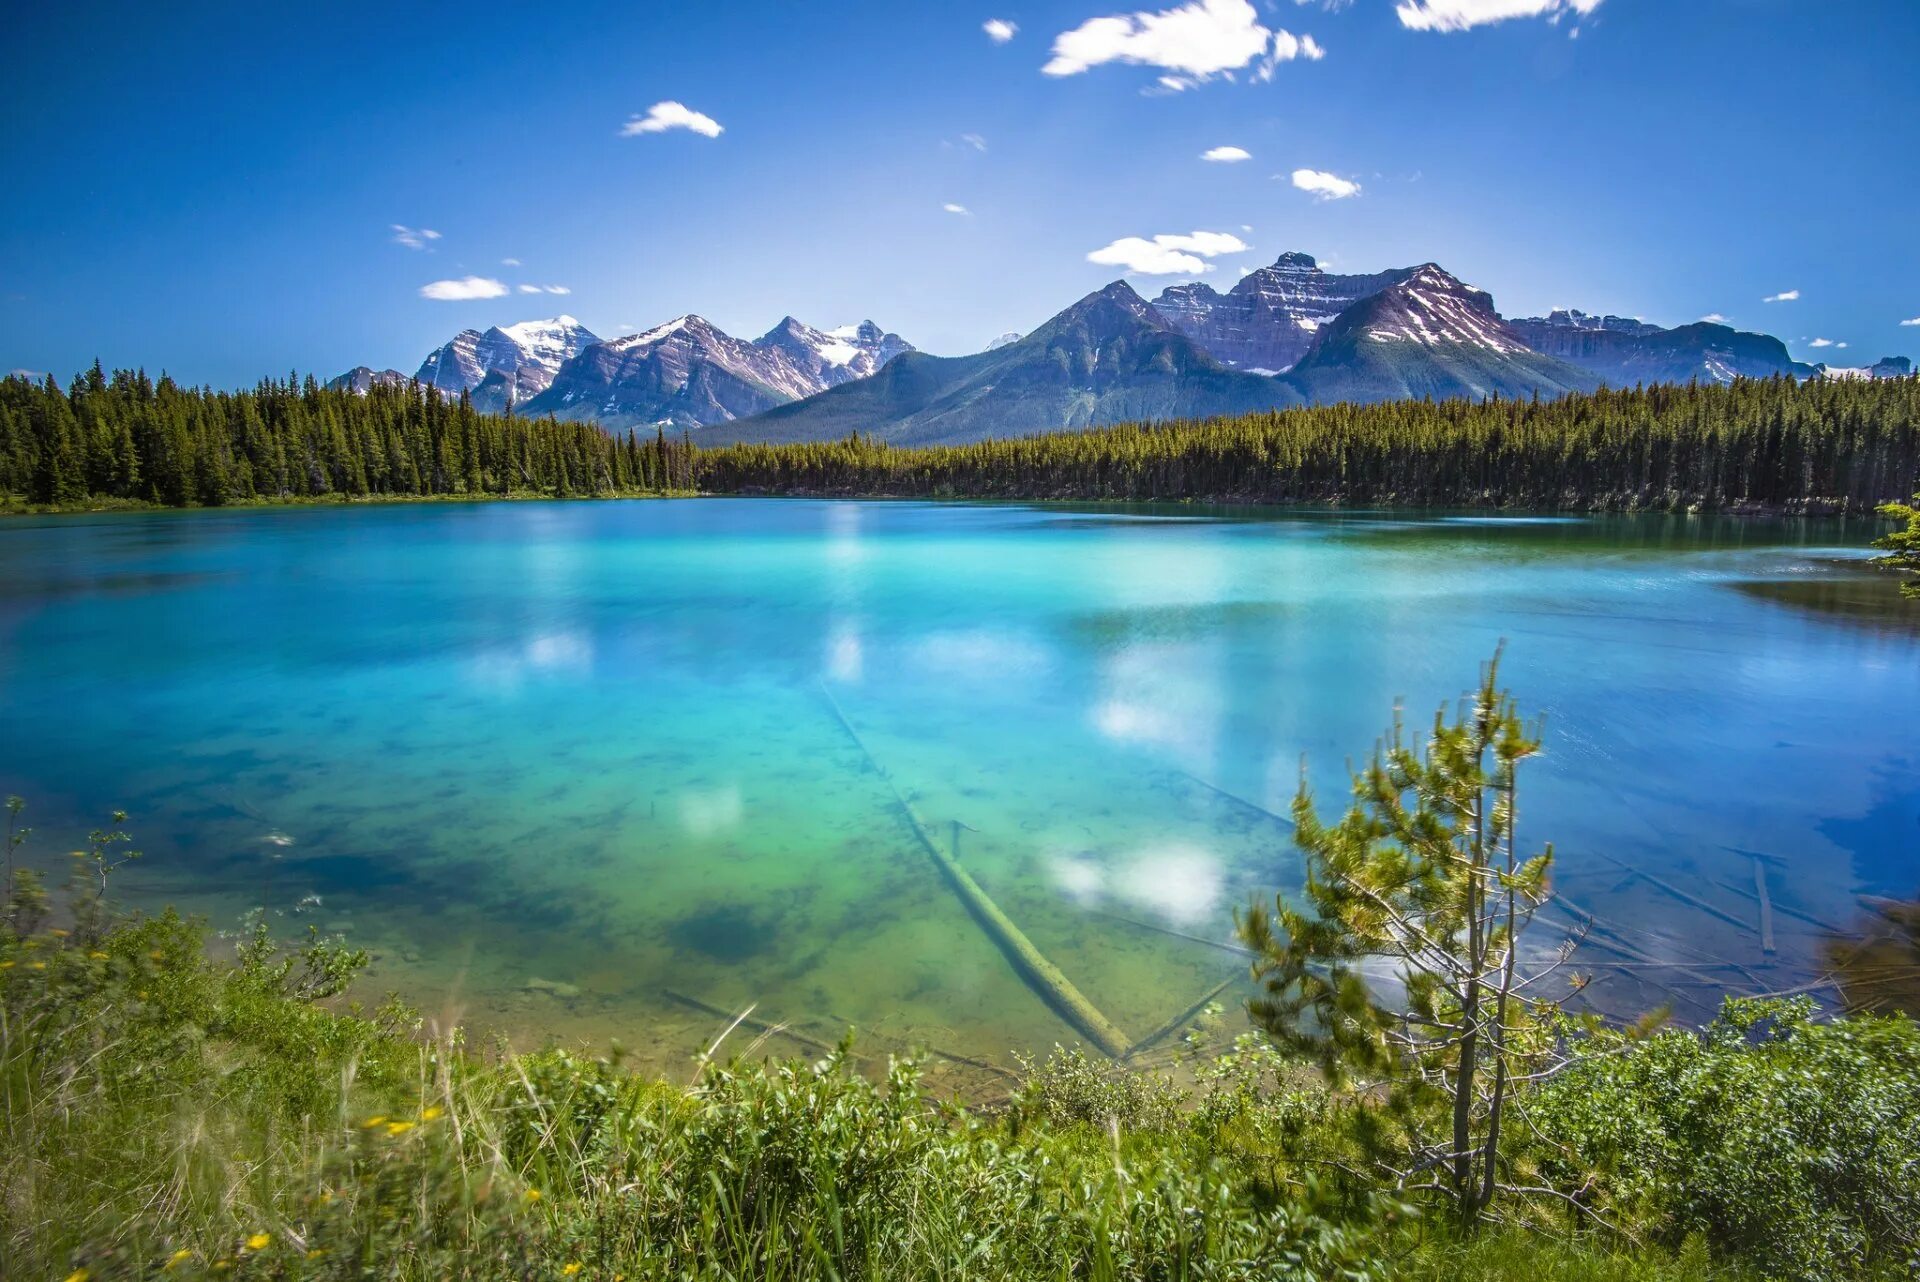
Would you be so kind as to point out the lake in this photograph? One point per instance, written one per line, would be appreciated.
(598, 770)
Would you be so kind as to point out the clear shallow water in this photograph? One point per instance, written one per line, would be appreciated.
(588, 743)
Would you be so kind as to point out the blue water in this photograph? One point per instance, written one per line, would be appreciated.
(556, 762)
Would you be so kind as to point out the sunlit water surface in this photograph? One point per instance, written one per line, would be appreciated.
(559, 763)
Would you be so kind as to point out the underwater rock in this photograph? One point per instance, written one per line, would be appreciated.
(552, 988)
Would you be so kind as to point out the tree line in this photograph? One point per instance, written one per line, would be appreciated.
(129, 438)
(1771, 444)
(1765, 443)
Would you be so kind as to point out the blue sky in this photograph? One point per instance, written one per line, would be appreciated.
(214, 190)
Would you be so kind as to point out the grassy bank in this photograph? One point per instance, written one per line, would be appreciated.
(164, 1112)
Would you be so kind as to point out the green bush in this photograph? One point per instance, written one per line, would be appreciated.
(1787, 1141)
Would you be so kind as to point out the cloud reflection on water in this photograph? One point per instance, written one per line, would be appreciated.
(1179, 882)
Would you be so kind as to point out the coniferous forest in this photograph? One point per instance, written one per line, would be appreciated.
(127, 438)
(1764, 445)
(1772, 445)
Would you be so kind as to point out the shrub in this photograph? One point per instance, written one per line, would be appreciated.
(1790, 1141)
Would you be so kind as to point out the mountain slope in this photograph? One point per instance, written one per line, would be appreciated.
(690, 372)
(1269, 319)
(1623, 353)
(1109, 358)
(363, 379)
(524, 357)
(1428, 335)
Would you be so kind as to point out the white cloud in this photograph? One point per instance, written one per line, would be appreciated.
(1821, 342)
(662, 116)
(974, 141)
(544, 289)
(413, 237)
(999, 30)
(1784, 296)
(1167, 254)
(952, 208)
(1462, 15)
(1226, 155)
(509, 262)
(1325, 186)
(1713, 318)
(1914, 321)
(463, 290)
(1193, 42)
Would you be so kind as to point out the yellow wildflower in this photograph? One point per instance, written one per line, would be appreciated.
(399, 1128)
(316, 1252)
(97, 955)
(221, 1266)
(571, 1269)
(378, 1119)
(36, 965)
(428, 1114)
(58, 933)
(182, 1254)
(259, 1241)
(6, 965)
(78, 1275)
(533, 1195)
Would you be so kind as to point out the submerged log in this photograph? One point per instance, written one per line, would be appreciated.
(1042, 975)
(1184, 1018)
(1766, 904)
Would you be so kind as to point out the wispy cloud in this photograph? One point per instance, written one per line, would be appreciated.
(1784, 296)
(1168, 254)
(1914, 321)
(1820, 342)
(1713, 318)
(952, 208)
(463, 290)
(1226, 155)
(1463, 15)
(974, 141)
(1325, 186)
(509, 262)
(1192, 43)
(413, 237)
(662, 116)
(999, 30)
(544, 289)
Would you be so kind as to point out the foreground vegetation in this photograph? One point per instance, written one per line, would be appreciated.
(162, 1112)
(167, 1111)
(1773, 445)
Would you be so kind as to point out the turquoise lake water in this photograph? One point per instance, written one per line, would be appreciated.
(513, 747)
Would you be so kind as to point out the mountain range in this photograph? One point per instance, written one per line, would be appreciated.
(1286, 334)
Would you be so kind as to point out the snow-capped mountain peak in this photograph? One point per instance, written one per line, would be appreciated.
(1271, 316)
(1432, 307)
(835, 355)
(525, 357)
(690, 372)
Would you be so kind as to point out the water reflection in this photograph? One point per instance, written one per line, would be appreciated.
(545, 722)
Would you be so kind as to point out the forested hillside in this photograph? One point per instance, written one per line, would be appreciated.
(130, 439)
(1770, 444)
